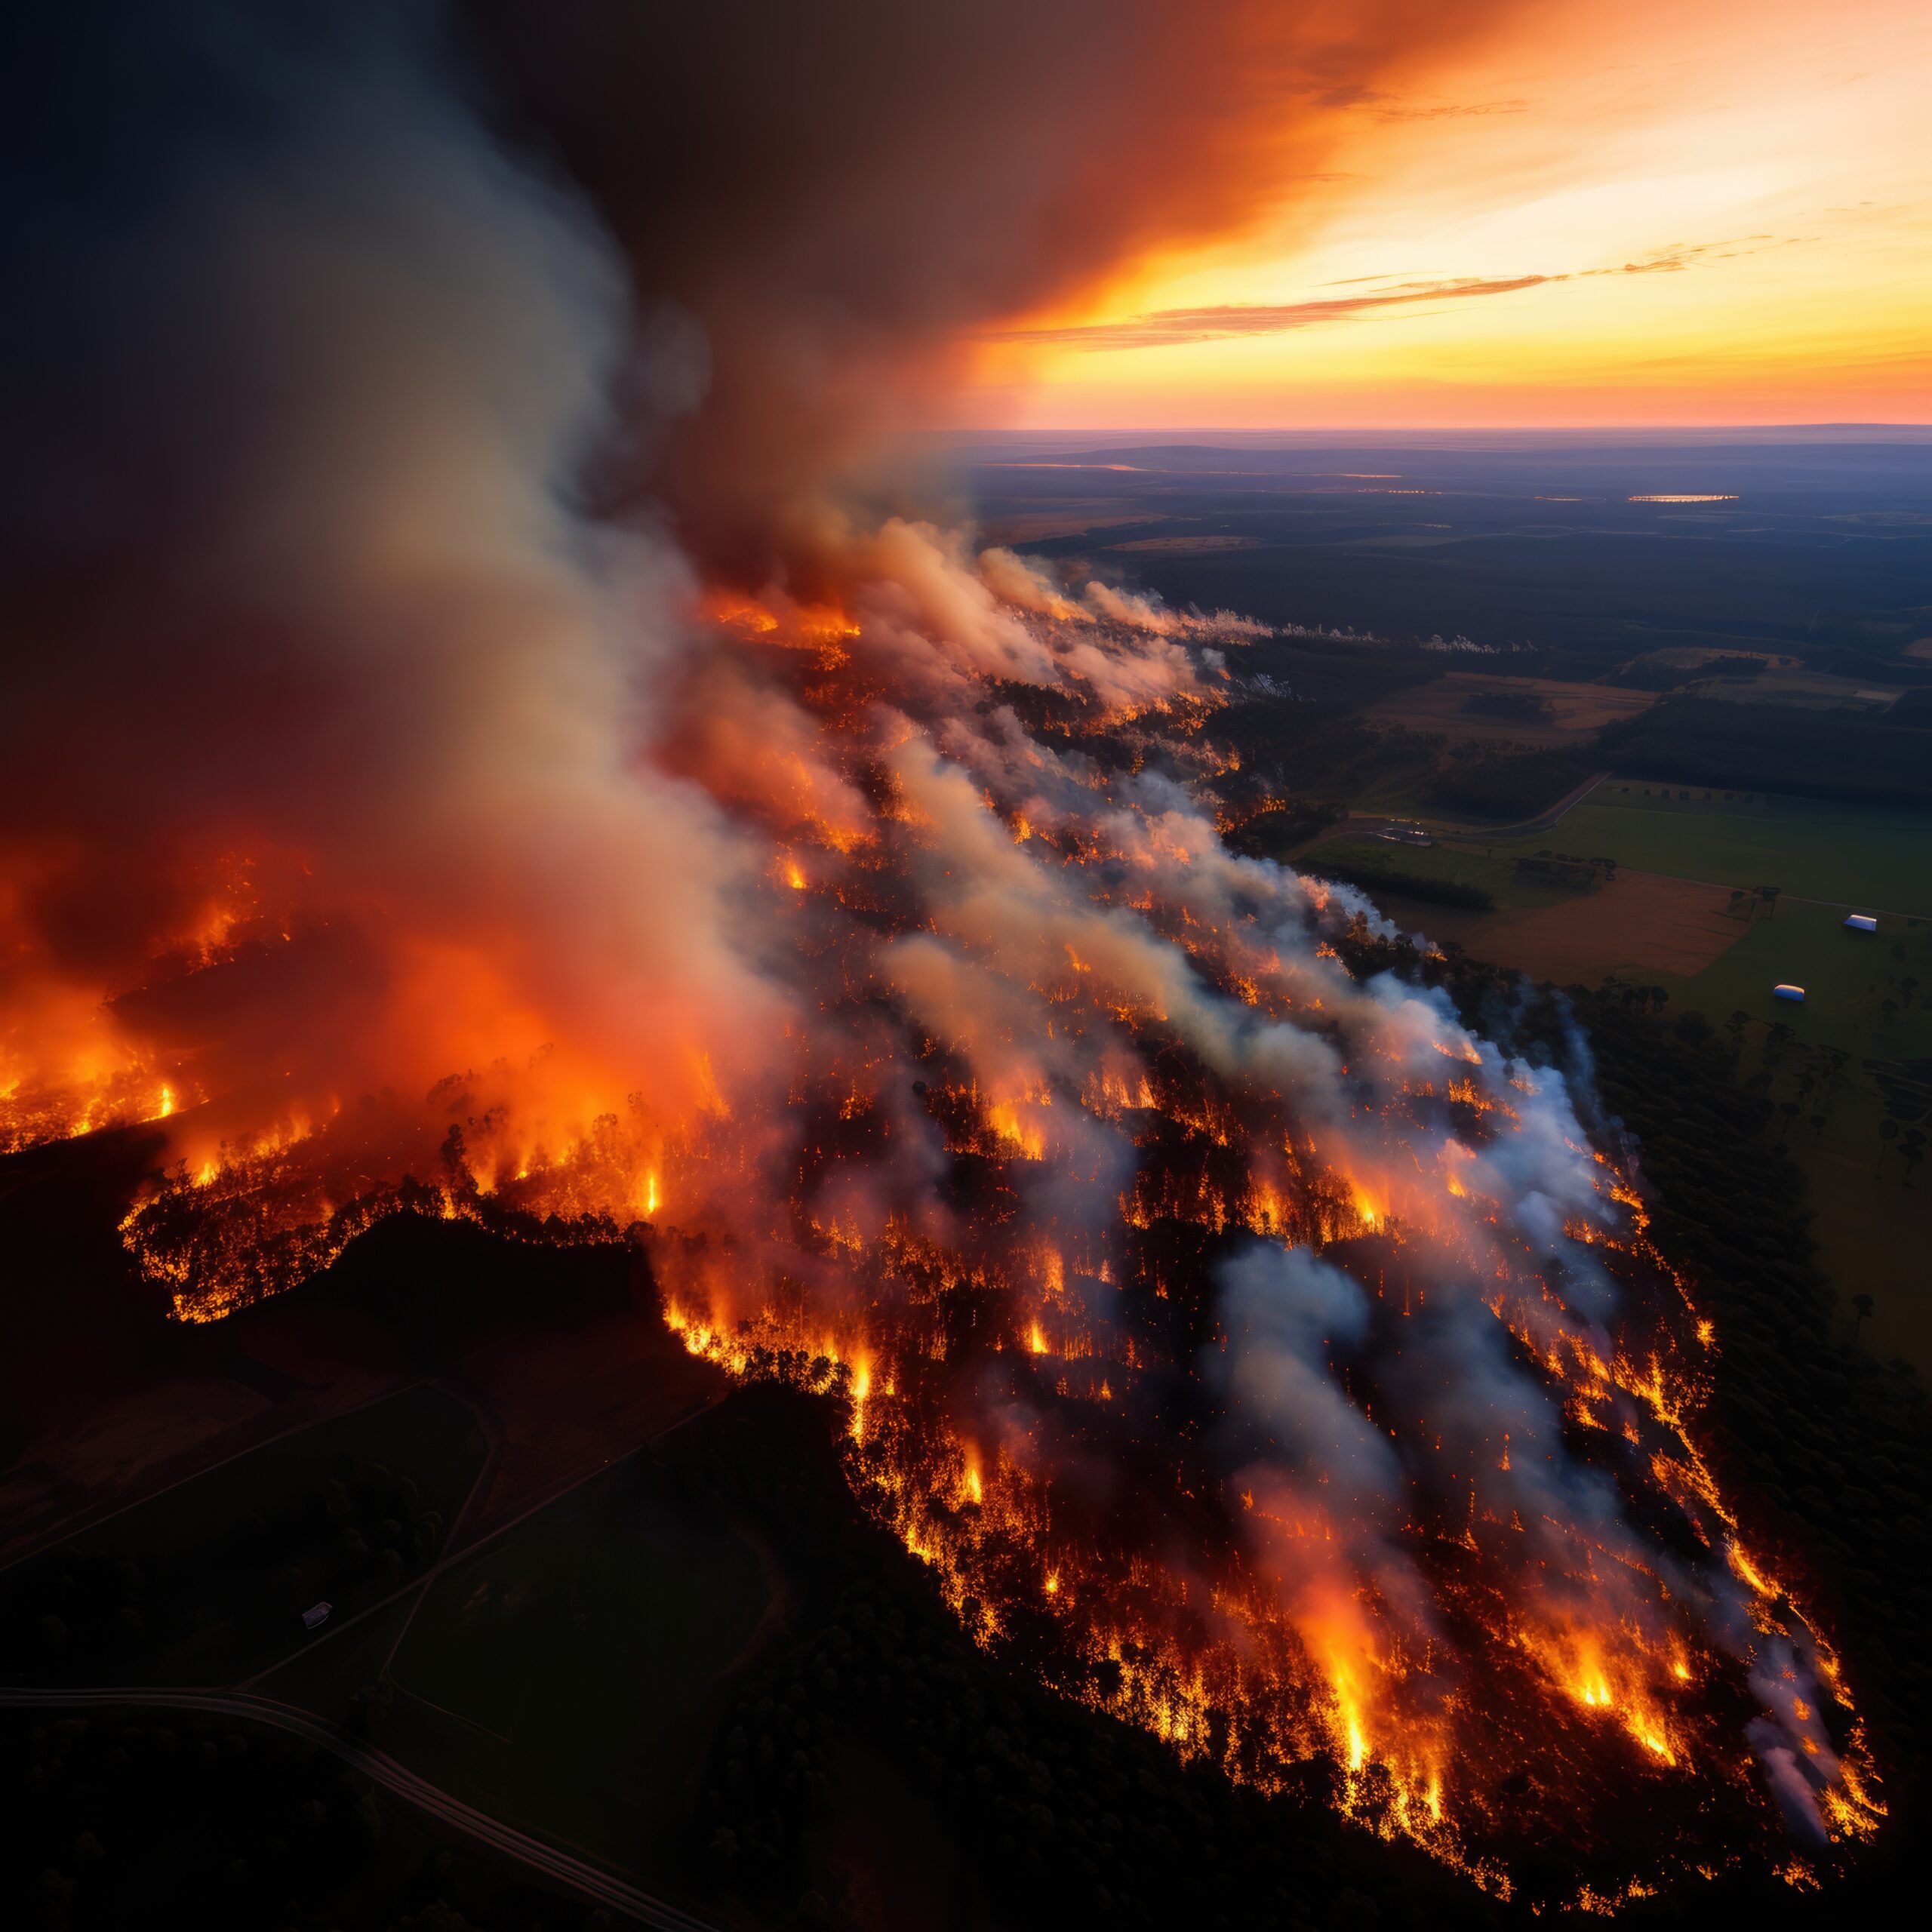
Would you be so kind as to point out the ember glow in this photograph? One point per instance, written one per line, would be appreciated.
(1291, 1350)
(1287, 1366)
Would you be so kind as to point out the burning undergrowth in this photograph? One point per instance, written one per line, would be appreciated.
(1283, 1366)
(1247, 1345)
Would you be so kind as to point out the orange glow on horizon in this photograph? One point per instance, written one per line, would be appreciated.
(1711, 216)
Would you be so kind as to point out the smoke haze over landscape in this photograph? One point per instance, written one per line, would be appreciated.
(495, 734)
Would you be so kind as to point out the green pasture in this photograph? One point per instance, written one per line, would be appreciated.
(1872, 1219)
(1855, 995)
(1872, 1214)
(1852, 856)
(1496, 876)
(1869, 996)
(564, 1674)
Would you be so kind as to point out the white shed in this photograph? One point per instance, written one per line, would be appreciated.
(1863, 922)
(1789, 992)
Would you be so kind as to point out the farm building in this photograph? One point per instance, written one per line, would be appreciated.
(1789, 992)
(1863, 922)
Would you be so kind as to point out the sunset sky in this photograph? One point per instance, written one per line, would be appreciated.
(1649, 213)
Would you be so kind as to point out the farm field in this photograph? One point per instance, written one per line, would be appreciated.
(1637, 926)
(562, 1674)
(1869, 996)
(1454, 864)
(203, 1583)
(1875, 859)
(1872, 1227)
(1683, 936)
(1812, 690)
(324, 1677)
(1573, 710)
(1848, 978)
(566, 1400)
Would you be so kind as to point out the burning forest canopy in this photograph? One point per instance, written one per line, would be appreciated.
(477, 758)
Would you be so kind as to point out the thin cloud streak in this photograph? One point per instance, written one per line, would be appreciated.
(1397, 111)
(1167, 328)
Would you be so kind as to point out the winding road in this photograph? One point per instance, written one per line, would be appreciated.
(381, 1769)
(1371, 827)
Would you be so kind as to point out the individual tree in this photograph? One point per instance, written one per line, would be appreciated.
(1861, 1307)
(1694, 1028)
(1888, 1132)
(1911, 1146)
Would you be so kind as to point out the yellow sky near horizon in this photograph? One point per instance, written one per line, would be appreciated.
(1714, 213)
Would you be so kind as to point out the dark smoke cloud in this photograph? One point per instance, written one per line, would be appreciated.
(840, 192)
(301, 375)
(331, 322)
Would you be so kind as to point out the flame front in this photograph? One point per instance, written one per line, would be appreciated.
(1288, 1348)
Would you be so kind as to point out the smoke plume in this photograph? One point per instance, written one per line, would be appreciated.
(486, 739)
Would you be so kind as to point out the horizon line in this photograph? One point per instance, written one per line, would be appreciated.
(1420, 429)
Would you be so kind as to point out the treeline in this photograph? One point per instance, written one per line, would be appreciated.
(1057, 1816)
(1832, 1448)
(1870, 668)
(1643, 674)
(1506, 786)
(1265, 732)
(1827, 1452)
(1048, 1814)
(1372, 879)
(1911, 710)
(1852, 757)
(1280, 825)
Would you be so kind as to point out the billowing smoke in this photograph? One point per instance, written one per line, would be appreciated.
(478, 745)
(841, 193)
(308, 648)
(311, 389)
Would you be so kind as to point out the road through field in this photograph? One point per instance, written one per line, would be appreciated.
(378, 1766)
(383, 1770)
(1369, 827)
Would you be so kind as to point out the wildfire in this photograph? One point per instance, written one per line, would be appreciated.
(97, 1090)
(1177, 1282)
